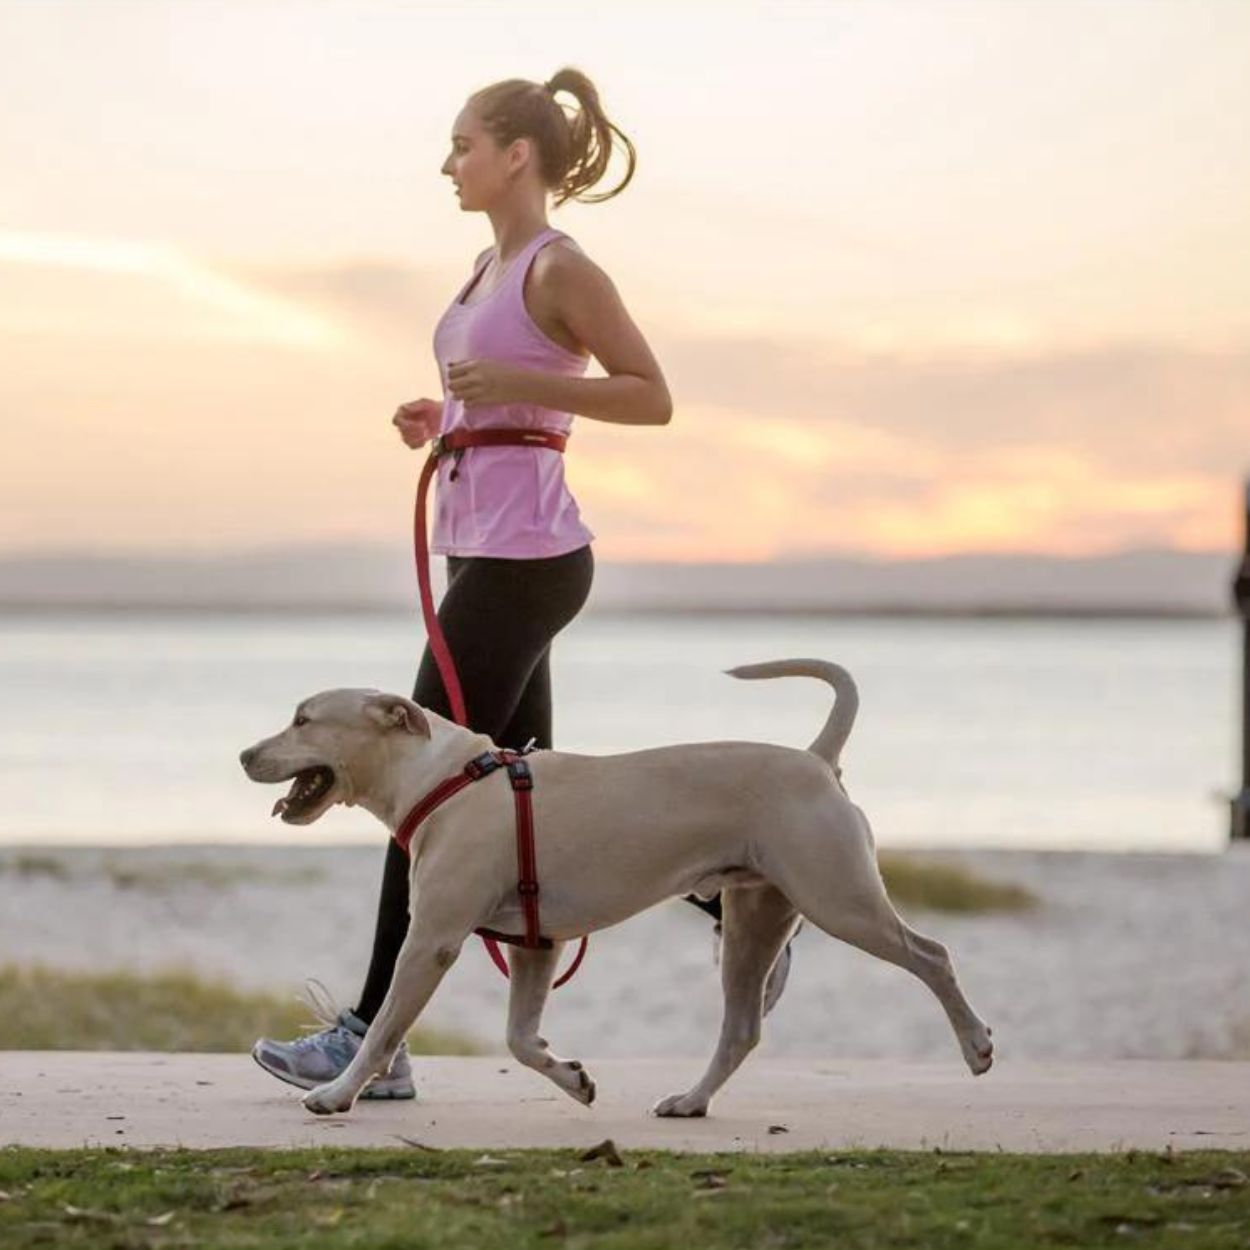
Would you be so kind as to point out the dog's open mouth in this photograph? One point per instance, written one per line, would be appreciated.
(310, 786)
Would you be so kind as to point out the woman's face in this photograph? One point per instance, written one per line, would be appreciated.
(476, 164)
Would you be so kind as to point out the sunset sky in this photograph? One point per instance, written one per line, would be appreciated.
(923, 277)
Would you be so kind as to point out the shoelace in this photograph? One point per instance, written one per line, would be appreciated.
(321, 1002)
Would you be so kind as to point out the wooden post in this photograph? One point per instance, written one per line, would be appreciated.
(1241, 595)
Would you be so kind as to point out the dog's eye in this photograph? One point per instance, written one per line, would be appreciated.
(300, 719)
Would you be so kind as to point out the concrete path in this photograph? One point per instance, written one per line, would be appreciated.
(69, 1099)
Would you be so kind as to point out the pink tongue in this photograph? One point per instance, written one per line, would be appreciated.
(279, 807)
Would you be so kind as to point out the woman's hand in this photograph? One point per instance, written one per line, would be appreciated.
(418, 421)
(480, 382)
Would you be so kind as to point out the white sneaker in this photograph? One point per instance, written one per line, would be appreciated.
(319, 1057)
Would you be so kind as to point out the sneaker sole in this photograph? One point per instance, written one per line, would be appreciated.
(381, 1090)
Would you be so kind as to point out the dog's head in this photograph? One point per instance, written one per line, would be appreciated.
(332, 745)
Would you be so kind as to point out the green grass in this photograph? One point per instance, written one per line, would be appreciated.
(140, 871)
(1236, 1047)
(912, 881)
(511, 1200)
(47, 1009)
(917, 885)
(161, 876)
(35, 864)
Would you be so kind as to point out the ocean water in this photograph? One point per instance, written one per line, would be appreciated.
(1093, 734)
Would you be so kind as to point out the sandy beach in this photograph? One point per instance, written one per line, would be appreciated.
(1127, 957)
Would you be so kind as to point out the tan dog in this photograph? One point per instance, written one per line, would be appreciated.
(770, 826)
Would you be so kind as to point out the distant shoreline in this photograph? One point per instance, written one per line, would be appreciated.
(377, 579)
(987, 611)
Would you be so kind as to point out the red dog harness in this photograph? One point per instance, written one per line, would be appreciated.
(455, 442)
(527, 864)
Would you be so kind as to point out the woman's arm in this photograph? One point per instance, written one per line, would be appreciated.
(584, 299)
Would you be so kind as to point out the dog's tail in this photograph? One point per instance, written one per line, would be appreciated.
(832, 738)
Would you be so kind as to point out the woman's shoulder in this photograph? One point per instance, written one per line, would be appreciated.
(560, 260)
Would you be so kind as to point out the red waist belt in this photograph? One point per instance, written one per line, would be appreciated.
(455, 442)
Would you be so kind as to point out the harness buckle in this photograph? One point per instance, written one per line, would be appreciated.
(438, 449)
(519, 774)
(481, 765)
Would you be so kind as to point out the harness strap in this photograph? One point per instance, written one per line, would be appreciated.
(522, 781)
(526, 856)
(477, 768)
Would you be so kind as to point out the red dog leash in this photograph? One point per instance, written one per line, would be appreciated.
(454, 442)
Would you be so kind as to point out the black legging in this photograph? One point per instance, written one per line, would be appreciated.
(499, 617)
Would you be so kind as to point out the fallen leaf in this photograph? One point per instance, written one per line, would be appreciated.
(85, 1213)
(778, 1128)
(1130, 1223)
(416, 1145)
(489, 1161)
(605, 1150)
(159, 1221)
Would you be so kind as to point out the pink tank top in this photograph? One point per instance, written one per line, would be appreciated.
(505, 501)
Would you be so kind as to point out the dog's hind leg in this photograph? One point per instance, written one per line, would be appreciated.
(531, 973)
(756, 923)
(848, 900)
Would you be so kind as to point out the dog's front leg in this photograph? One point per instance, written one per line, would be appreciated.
(531, 972)
(422, 963)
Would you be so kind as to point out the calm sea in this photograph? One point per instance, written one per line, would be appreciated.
(1096, 734)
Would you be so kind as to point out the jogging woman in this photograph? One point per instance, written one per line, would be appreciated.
(511, 349)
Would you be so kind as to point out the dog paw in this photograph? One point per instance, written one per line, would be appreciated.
(680, 1105)
(571, 1077)
(979, 1051)
(326, 1100)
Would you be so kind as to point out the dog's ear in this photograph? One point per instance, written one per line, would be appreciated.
(393, 711)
